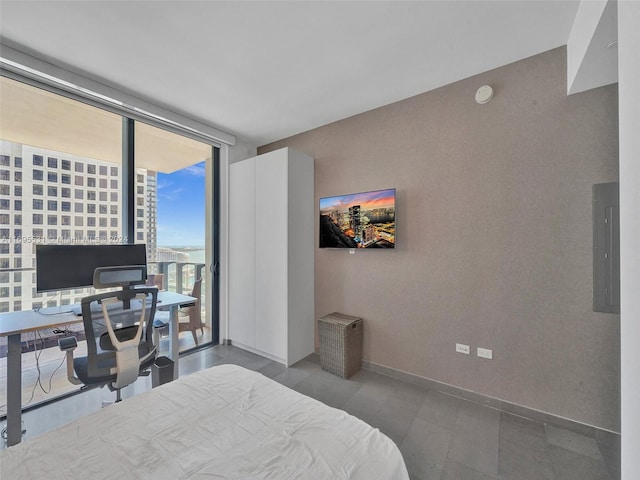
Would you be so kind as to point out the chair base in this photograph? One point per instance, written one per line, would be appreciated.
(118, 397)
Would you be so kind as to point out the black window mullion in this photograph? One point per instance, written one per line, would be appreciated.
(215, 255)
(128, 180)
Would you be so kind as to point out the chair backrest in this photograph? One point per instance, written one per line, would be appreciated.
(156, 280)
(195, 311)
(119, 332)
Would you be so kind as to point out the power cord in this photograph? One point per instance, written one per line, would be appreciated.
(5, 434)
(54, 313)
(37, 353)
(45, 302)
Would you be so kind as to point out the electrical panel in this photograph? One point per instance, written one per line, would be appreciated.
(606, 248)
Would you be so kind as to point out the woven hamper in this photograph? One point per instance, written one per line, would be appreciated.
(340, 344)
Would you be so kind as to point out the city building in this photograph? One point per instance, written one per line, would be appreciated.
(53, 197)
(354, 219)
(369, 233)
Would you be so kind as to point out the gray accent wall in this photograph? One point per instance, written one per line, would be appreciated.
(494, 237)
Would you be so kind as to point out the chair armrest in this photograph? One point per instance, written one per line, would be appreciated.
(67, 343)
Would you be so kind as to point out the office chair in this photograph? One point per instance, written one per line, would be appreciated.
(162, 318)
(119, 333)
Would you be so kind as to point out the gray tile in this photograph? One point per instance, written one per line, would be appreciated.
(194, 363)
(376, 380)
(569, 465)
(456, 471)
(307, 366)
(291, 377)
(246, 359)
(547, 418)
(523, 450)
(425, 449)
(514, 426)
(475, 441)
(374, 384)
(272, 369)
(575, 442)
(409, 393)
(440, 409)
(329, 389)
(394, 418)
(609, 444)
(366, 404)
(440, 436)
(313, 358)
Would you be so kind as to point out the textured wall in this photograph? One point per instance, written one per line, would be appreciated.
(493, 236)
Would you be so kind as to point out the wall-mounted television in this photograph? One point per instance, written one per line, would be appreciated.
(359, 220)
(60, 267)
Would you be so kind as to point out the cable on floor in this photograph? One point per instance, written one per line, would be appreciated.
(37, 352)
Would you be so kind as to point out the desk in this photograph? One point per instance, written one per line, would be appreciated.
(15, 323)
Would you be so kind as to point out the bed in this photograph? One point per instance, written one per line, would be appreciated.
(225, 422)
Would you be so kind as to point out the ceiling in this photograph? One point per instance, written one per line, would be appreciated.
(35, 117)
(267, 70)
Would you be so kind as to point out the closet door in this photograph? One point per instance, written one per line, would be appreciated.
(242, 219)
(302, 219)
(271, 233)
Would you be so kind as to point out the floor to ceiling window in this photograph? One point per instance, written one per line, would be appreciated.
(172, 216)
(61, 183)
(63, 180)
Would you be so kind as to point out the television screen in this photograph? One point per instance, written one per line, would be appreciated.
(71, 266)
(359, 220)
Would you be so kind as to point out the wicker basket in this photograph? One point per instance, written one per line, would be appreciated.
(340, 344)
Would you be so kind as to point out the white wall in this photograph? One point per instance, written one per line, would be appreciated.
(629, 118)
(494, 237)
(590, 64)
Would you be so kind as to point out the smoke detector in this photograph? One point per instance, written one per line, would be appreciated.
(484, 94)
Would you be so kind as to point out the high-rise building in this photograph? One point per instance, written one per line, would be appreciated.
(354, 219)
(52, 197)
(369, 233)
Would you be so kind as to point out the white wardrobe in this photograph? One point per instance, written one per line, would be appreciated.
(271, 250)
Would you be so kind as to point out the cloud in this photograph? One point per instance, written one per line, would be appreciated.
(170, 195)
(163, 184)
(198, 169)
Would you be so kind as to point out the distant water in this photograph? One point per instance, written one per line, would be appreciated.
(195, 256)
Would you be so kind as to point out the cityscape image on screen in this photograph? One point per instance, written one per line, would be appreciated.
(359, 220)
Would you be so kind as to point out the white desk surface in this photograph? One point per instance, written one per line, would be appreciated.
(29, 320)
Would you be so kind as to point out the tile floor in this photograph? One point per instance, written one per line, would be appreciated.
(47, 364)
(440, 436)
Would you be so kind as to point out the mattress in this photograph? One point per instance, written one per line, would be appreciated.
(225, 422)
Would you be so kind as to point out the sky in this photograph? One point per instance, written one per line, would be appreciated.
(181, 202)
(366, 200)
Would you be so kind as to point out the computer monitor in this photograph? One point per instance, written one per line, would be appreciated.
(60, 267)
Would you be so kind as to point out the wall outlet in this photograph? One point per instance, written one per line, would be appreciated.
(461, 348)
(485, 353)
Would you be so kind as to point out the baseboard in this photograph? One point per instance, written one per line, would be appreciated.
(502, 405)
(258, 352)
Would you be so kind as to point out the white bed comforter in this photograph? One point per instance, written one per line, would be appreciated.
(225, 422)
